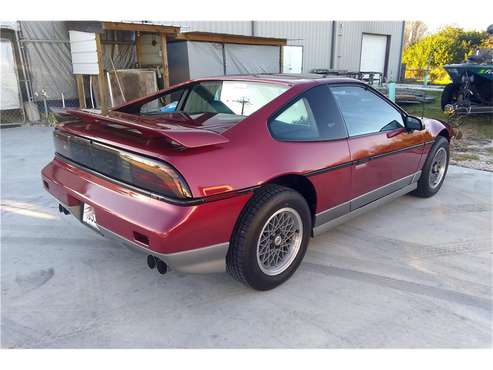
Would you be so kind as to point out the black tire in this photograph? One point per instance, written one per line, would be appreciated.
(449, 95)
(424, 189)
(241, 261)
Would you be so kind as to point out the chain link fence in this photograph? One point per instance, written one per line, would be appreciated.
(12, 116)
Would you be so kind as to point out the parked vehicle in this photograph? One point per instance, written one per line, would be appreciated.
(471, 90)
(244, 171)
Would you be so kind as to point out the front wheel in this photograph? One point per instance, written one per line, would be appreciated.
(270, 238)
(434, 170)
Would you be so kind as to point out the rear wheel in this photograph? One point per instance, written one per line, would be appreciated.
(450, 95)
(270, 238)
(434, 170)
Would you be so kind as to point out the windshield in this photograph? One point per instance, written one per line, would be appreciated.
(240, 98)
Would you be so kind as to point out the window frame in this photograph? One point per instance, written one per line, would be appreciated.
(292, 101)
(135, 107)
(364, 86)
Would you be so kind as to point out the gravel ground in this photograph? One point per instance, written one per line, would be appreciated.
(473, 153)
(413, 273)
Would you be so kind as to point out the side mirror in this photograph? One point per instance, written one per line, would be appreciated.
(414, 124)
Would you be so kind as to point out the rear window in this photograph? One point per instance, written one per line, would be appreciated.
(231, 97)
(239, 98)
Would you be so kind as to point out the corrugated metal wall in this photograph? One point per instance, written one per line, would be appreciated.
(315, 37)
(348, 43)
(232, 27)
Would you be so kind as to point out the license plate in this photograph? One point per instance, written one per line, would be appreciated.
(89, 216)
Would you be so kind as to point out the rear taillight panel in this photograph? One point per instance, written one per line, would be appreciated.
(144, 173)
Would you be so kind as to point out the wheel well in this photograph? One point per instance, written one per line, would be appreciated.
(445, 134)
(303, 186)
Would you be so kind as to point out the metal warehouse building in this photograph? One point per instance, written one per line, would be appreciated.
(87, 64)
(349, 45)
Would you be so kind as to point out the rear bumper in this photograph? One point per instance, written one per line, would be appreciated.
(190, 238)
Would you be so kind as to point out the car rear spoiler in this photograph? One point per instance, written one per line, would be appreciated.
(184, 137)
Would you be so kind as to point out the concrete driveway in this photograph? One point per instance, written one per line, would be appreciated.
(414, 273)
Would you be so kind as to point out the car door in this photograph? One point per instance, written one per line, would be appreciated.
(384, 155)
(313, 133)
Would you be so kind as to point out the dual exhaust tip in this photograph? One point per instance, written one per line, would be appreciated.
(154, 262)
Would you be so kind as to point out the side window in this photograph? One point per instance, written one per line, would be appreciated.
(298, 114)
(313, 116)
(365, 112)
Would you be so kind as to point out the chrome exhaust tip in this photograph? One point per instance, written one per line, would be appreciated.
(162, 267)
(151, 261)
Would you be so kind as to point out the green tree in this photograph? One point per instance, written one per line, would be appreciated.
(449, 45)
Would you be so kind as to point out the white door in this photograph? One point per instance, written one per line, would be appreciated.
(9, 93)
(292, 59)
(373, 52)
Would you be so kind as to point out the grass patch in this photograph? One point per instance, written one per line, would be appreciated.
(466, 157)
(473, 127)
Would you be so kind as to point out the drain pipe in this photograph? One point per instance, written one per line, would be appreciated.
(333, 45)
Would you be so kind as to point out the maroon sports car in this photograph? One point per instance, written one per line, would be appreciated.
(237, 173)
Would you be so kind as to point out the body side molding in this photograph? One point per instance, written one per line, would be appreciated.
(334, 216)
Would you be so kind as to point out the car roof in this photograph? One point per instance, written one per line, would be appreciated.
(289, 79)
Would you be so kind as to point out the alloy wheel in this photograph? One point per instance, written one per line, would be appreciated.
(279, 241)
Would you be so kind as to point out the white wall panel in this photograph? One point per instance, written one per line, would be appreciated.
(83, 51)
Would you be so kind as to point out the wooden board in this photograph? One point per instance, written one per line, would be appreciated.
(140, 27)
(80, 91)
(102, 82)
(130, 84)
(138, 48)
(230, 39)
(164, 56)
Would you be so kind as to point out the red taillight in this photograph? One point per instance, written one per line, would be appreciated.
(159, 178)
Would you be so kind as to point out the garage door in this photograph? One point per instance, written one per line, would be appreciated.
(373, 52)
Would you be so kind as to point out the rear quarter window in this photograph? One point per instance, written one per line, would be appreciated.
(312, 116)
